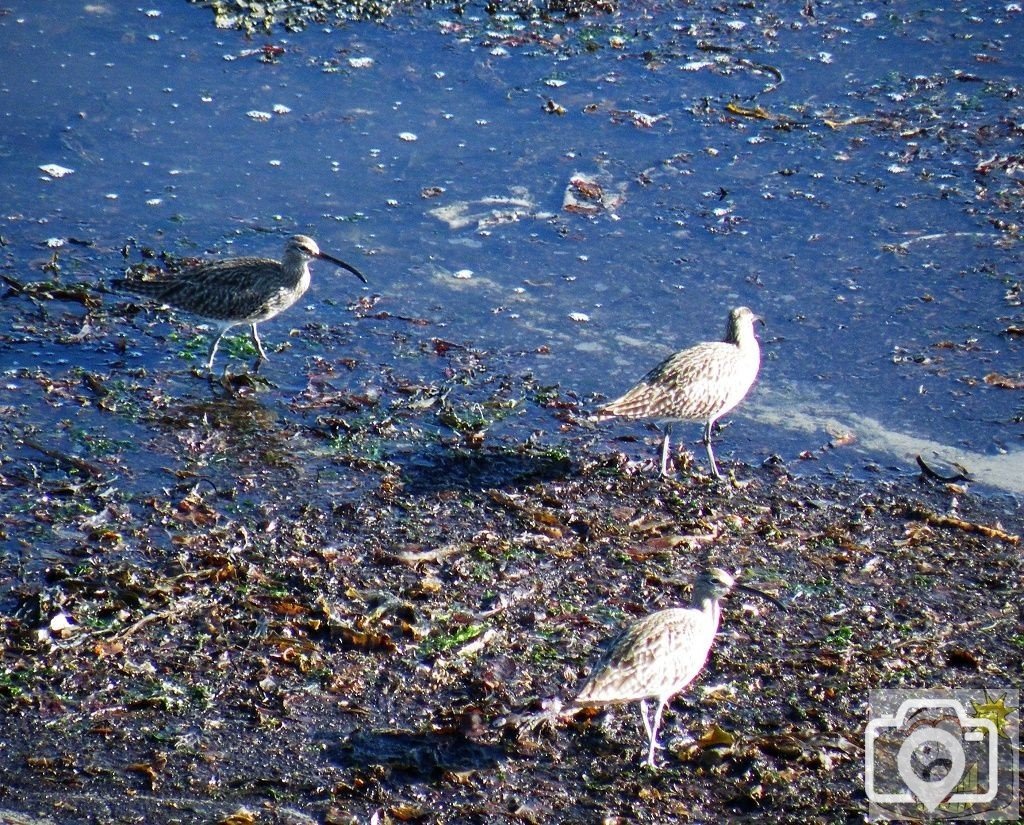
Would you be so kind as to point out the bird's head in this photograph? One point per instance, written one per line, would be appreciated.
(715, 583)
(305, 247)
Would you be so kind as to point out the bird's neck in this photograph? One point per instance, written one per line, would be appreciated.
(298, 267)
(743, 338)
(711, 607)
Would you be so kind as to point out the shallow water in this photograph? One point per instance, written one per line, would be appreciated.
(306, 591)
(869, 216)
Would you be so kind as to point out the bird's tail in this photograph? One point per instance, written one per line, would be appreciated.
(630, 405)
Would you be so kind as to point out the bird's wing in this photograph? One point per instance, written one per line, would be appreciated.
(218, 289)
(657, 655)
(687, 385)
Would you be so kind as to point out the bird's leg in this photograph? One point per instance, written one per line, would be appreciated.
(707, 446)
(665, 452)
(653, 730)
(213, 348)
(259, 344)
(645, 717)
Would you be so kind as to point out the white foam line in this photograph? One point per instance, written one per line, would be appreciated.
(792, 409)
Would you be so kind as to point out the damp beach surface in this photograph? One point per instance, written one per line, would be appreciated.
(322, 591)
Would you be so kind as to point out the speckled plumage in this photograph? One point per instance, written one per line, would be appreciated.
(239, 290)
(659, 655)
(701, 383)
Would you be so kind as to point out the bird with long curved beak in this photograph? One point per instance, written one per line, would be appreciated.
(659, 655)
(239, 290)
(701, 383)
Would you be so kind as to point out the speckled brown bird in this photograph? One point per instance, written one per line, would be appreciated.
(701, 383)
(239, 290)
(660, 654)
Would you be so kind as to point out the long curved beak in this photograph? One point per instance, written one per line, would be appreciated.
(746, 588)
(343, 265)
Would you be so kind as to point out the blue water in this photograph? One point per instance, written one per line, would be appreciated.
(789, 215)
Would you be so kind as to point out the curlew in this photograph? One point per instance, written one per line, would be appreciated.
(239, 290)
(701, 383)
(659, 655)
